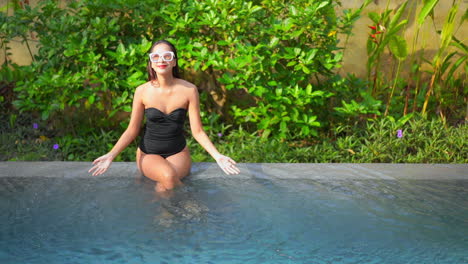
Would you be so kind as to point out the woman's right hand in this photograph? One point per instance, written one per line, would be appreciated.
(101, 164)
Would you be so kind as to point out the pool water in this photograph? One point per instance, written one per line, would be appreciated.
(233, 220)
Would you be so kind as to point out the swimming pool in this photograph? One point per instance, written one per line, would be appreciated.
(53, 212)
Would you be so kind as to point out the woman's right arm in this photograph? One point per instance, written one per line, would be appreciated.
(133, 128)
(102, 163)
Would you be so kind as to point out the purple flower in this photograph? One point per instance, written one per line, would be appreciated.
(56, 146)
(399, 133)
(220, 134)
(35, 126)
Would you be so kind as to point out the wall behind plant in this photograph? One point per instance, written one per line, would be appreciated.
(356, 44)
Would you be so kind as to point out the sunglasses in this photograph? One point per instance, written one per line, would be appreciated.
(166, 56)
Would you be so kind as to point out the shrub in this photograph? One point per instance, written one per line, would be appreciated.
(265, 65)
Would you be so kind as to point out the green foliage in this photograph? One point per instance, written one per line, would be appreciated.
(441, 84)
(419, 141)
(80, 63)
(439, 88)
(398, 47)
(270, 53)
(265, 69)
(28, 138)
(384, 34)
(275, 54)
(356, 105)
(428, 9)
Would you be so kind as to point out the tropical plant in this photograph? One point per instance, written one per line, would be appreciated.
(445, 65)
(385, 34)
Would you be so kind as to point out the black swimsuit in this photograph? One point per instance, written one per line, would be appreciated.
(163, 133)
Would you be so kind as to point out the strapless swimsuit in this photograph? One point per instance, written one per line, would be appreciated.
(163, 133)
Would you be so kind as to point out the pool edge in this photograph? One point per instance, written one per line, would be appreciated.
(202, 170)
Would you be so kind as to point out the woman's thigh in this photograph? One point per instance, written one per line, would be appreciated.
(157, 168)
(154, 167)
(181, 162)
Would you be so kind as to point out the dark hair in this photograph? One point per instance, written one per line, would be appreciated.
(175, 71)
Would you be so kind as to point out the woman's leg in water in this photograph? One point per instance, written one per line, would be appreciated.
(166, 172)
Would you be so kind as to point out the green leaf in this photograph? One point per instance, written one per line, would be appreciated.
(255, 9)
(135, 79)
(291, 63)
(447, 61)
(464, 17)
(446, 35)
(426, 10)
(309, 89)
(397, 16)
(398, 47)
(317, 93)
(283, 126)
(457, 43)
(314, 124)
(127, 108)
(311, 55)
(121, 49)
(266, 133)
(323, 4)
(274, 41)
(91, 99)
(456, 65)
(370, 47)
(69, 52)
(279, 91)
(447, 30)
(45, 115)
(374, 17)
(404, 119)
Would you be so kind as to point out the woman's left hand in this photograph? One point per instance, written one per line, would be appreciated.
(227, 164)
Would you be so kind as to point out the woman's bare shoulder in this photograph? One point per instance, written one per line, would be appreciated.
(186, 84)
(142, 87)
(142, 90)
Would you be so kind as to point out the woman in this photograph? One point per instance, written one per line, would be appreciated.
(165, 100)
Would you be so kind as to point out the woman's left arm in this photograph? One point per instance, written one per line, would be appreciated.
(226, 163)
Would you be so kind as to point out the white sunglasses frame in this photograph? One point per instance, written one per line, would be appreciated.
(161, 56)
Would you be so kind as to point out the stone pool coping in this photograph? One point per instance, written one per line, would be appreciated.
(203, 170)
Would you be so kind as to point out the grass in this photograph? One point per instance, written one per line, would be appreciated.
(378, 141)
